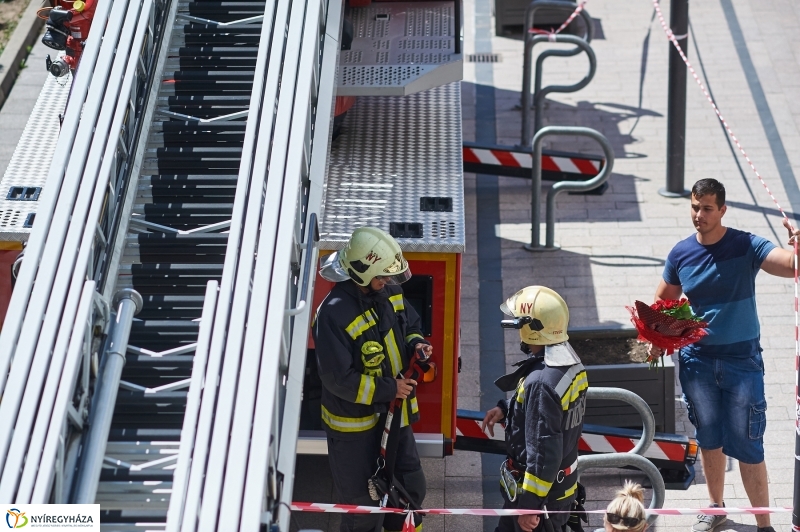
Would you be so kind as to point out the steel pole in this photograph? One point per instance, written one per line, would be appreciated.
(796, 500)
(676, 103)
(128, 303)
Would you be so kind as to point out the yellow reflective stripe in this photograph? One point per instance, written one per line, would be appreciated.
(360, 324)
(349, 424)
(412, 336)
(414, 405)
(569, 492)
(579, 383)
(394, 353)
(366, 389)
(536, 485)
(521, 391)
(397, 302)
(404, 421)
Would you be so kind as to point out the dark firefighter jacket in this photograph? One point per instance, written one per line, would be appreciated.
(363, 341)
(544, 421)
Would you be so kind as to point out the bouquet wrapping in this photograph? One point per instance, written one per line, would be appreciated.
(668, 324)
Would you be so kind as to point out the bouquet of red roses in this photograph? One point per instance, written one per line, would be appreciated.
(668, 324)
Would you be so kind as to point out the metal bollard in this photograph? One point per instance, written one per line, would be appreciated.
(561, 186)
(634, 457)
(128, 303)
(616, 460)
(641, 406)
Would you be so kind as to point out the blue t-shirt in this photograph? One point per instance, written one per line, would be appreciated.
(720, 282)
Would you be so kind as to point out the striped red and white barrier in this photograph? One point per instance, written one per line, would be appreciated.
(658, 450)
(349, 509)
(519, 159)
(672, 451)
(471, 428)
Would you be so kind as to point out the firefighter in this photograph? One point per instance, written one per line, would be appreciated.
(543, 417)
(365, 334)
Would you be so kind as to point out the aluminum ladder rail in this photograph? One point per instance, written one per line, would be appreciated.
(242, 456)
(182, 223)
(239, 421)
(51, 343)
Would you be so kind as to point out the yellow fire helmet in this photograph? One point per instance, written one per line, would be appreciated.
(548, 311)
(370, 253)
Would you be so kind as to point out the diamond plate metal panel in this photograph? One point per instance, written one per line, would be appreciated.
(400, 48)
(30, 163)
(392, 152)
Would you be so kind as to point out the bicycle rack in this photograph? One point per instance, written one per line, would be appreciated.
(561, 186)
(634, 457)
(540, 93)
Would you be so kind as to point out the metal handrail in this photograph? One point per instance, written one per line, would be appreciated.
(634, 457)
(616, 460)
(128, 303)
(561, 186)
(641, 406)
(540, 93)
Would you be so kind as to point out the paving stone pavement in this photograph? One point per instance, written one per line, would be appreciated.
(613, 246)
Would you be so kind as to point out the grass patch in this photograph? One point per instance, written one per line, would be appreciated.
(10, 13)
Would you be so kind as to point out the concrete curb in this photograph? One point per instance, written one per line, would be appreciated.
(17, 48)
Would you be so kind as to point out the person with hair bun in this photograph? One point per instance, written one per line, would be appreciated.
(626, 511)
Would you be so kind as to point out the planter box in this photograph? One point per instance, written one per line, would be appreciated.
(656, 387)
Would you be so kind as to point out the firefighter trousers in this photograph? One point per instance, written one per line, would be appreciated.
(354, 461)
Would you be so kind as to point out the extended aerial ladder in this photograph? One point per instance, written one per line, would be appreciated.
(185, 180)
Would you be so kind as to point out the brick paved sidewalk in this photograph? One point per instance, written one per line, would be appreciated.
(614, 245)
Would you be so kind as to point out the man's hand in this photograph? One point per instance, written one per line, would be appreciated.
(404, 387)
(793, 233)
(528, 522)
(654, 351)
(426, 350)
(495, 415)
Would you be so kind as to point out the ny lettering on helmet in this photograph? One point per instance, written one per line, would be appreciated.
(372, 257)
(541, 315)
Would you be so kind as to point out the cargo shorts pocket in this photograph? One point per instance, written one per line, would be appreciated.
(758, 420)
(690, 410)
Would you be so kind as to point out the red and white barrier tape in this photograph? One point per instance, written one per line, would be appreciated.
(349, 509)
(552, 34)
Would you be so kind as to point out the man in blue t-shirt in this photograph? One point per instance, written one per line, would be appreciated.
(722, 375)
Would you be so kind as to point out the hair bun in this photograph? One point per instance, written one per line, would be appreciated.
(632, 490)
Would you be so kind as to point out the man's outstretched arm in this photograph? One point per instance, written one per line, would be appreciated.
(780, 262)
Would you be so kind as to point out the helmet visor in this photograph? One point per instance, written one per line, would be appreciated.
(398, 278)
(331, 269)
(397, 272)
(508, 308)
